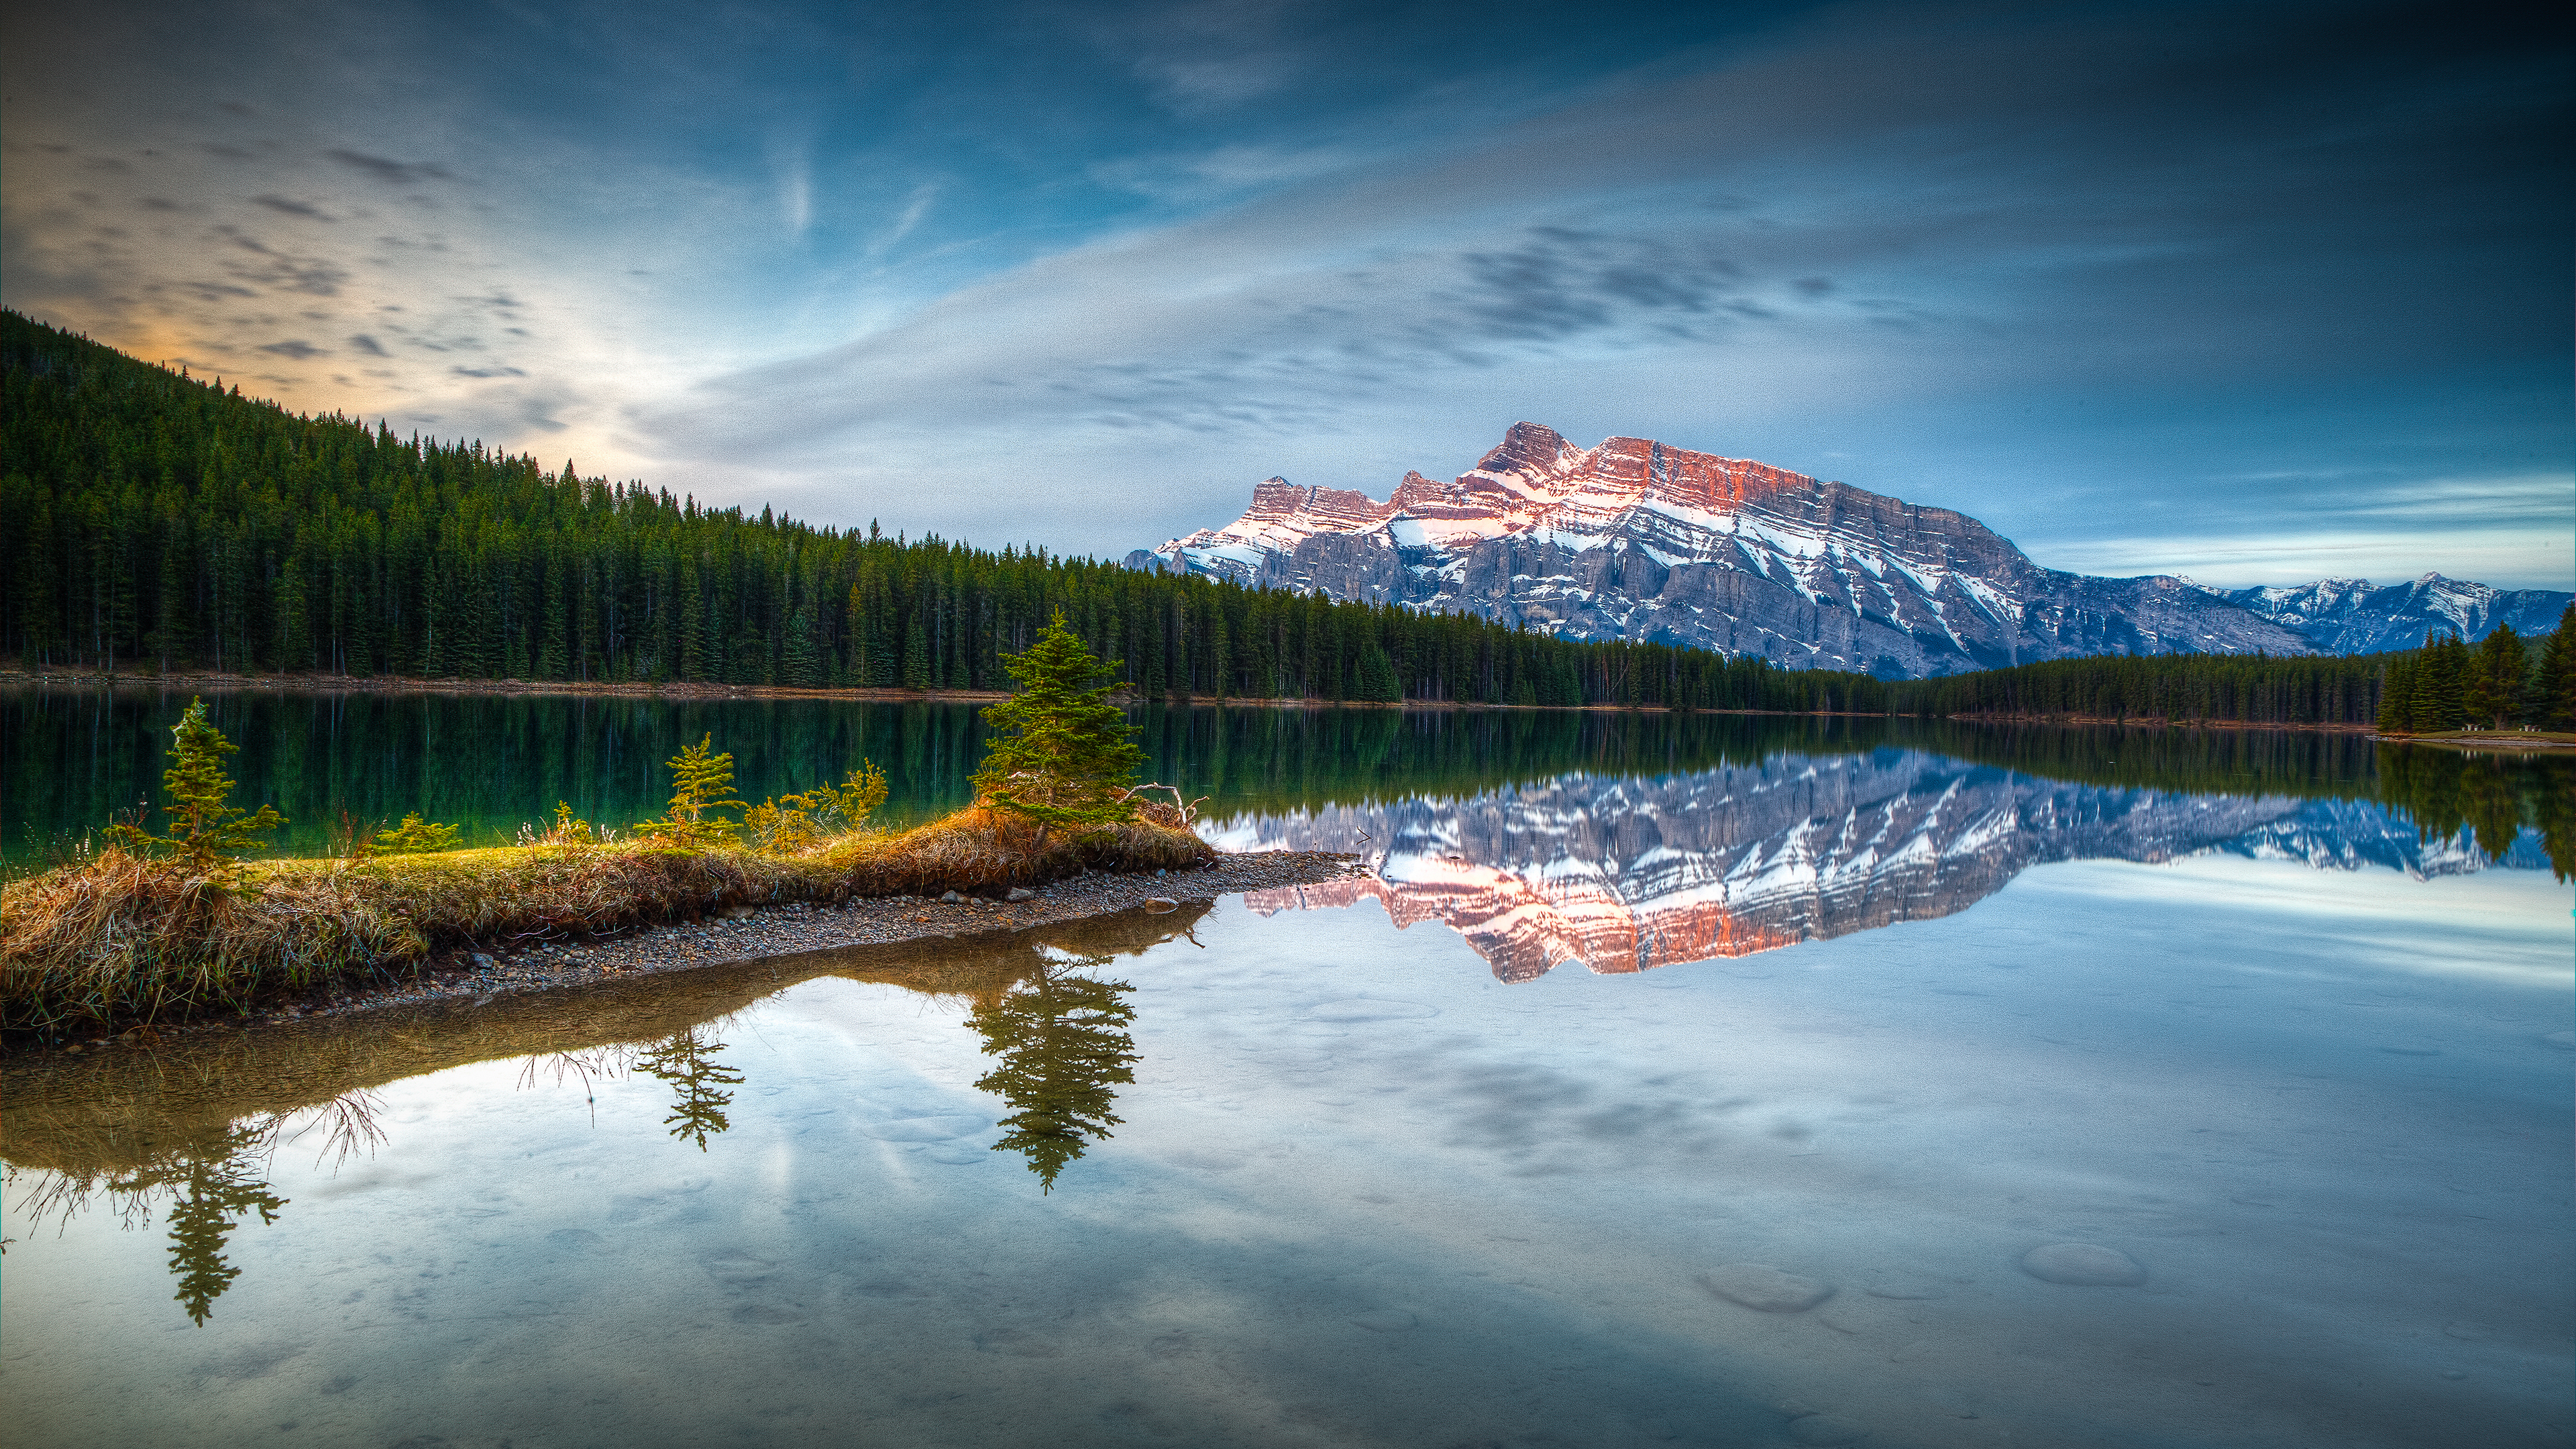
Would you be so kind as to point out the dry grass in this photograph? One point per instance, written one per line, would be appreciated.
(122, 939)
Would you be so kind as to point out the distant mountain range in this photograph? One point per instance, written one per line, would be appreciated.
(2354, 616)
(1633, 539)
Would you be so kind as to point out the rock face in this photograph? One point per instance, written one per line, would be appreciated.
(1627, 874)
(1636, 540)
(2352, 616)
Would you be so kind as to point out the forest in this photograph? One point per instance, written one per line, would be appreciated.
(152, 523)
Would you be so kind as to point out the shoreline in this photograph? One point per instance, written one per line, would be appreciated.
(2473, 742)
(476, 975)
(200, 680)
(2161, 722)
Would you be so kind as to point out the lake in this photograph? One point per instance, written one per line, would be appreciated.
(1672, 1080)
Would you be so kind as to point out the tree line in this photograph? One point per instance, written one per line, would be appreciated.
(2501, 682)
(153, 523)
(2504, 681)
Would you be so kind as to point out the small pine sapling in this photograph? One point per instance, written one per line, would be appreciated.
(568, 829)
(205, 830)
(793, 824)
(856, 798)
(699, 781)
(417, 837)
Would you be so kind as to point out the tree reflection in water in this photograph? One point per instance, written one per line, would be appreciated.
(213, 1187)
(1063, 1044)
(688, 1062)
(213, 1199)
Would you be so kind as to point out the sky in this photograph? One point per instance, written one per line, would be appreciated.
(2252, 293)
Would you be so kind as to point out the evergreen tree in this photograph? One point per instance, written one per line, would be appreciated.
(2557, 702)
(916, 653)
(205, 830)
(2397, 696)
(2441, 691)
(1377, 681)
(699, 781)
(1061, 754)
(2497, 679)
(803, 664)
(416, 836)
(695, 655)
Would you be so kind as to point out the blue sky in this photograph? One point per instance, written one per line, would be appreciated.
(2254, 293)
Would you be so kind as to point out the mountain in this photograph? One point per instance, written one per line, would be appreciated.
(2352, 616)
(1636, 540)
(1627, 874)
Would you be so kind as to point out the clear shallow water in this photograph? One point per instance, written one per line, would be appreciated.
(1901, 1019)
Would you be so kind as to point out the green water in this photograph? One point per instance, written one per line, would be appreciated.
(71, 759)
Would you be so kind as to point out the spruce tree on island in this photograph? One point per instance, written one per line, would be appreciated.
(1062, 755)
(205, 829)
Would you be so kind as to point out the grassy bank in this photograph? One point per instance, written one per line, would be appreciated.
(121, 938)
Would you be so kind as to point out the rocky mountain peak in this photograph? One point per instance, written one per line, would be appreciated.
(1527, 448)
(1633, 538)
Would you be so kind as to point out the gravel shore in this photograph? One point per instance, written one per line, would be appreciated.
(483, 973)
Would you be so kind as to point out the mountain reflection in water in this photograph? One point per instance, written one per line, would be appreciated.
(1625, 874)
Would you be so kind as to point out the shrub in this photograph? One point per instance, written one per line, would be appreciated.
(793, 824)
(416, 837)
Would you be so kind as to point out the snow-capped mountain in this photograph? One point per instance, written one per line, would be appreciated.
(2353, 616)
(1626, 874)
(1633, 539)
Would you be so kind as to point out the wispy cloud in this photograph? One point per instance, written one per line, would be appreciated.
(915, 207)
(291, 207)
(394, 173)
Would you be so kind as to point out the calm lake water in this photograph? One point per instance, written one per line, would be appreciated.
(1673, 1081)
